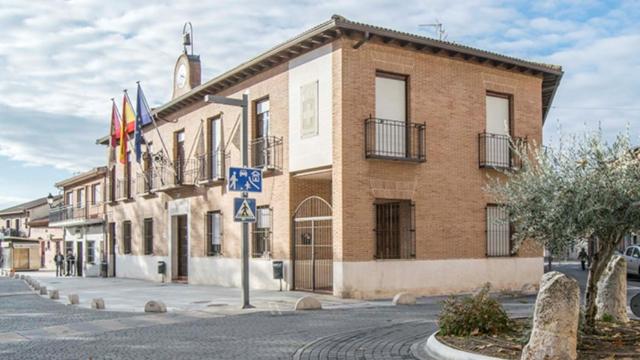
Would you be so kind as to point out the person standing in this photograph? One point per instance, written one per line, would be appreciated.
(69, 259)
(582, 255)
(59, 260)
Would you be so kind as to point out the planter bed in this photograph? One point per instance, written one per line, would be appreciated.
(614, 341)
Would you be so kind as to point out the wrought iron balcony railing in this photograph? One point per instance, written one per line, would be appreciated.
(165, 177)
(124, 188)
(87, 212)
(266, 153)
(211, 166)
(496, 151)
(145, 182)
(14, 233)
(394, 140)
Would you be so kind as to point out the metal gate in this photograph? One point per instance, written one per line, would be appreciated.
(313, 246)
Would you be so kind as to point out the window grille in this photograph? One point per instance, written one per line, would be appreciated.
(498, 231)
(395, 229)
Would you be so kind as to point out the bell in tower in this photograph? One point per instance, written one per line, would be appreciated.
(187, 72)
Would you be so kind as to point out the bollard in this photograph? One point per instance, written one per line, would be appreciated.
(73, 299)
(155, 307)
(43, 290)
(97, 304)
(54, 295)
(308, 303)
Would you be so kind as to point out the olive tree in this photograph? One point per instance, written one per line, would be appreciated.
(585, 189)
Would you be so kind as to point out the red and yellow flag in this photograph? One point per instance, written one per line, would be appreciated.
(128, 116)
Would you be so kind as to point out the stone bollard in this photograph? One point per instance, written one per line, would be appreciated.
(36, 286)
(73, 299)
(612, 291)
(554, 335)
(43, 290)
(54, 295)
(404, 298)
(97, 304)
(308, 303)
(154, 306)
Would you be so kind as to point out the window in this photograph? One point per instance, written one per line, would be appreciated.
(111, 238)
(636, 253)
(214, 233)
(215, 147)
(91, 252)
(629, 252)
(80, 199)
(495, 142)
(126, 237)
(262, 232)
(68, 247)
(69, 198)
(148, 236)
(8, 222)
(96, 195)
(179, 156)
(112, 184)
(395, 229)
(262, 118)
(391, 110)
(17, 222)
(498, 231)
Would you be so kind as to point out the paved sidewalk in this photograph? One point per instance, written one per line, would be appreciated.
(130, 295)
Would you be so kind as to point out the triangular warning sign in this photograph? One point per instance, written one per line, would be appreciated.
(245, 212)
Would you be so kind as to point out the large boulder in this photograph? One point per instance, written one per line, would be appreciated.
(612, 291)
(555, 320)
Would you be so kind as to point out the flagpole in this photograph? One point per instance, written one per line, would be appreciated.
(126, 93)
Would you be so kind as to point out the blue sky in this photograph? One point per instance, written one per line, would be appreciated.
(61, 62)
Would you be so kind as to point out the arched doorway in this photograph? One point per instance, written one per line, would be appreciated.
(313, 246)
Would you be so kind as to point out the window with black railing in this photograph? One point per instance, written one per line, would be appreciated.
(261, 246)
(394, 140)
(395, 229)
(266, 153)
(126, 237)
(498, 231)
(497, 151)
(211, 166)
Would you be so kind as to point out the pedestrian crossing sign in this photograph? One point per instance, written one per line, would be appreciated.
(244, 210)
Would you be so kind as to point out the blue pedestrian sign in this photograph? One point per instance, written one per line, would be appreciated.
(245, 179)
(244, 210)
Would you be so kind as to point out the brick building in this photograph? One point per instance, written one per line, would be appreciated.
(81, 215)
(375, 146)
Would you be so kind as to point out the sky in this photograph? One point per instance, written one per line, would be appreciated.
(62, 61)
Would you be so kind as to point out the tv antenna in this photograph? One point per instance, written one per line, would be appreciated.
(439, 28)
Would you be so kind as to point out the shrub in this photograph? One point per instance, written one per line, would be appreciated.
(473, 315)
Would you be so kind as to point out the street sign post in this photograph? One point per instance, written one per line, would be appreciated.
(244, 210)
(245, 179)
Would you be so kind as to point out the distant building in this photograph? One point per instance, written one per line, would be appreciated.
(374, 145)
(81, 215)
(25, 235)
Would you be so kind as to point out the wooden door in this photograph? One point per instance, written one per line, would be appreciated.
(183, 246)
(21, 259)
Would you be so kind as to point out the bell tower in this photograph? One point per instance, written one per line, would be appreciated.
(187, 72)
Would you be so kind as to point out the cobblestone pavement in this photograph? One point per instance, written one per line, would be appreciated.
(34, 327)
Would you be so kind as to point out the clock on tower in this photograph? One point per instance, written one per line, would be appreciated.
(186, 74)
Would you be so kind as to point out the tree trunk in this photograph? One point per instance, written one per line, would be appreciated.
(598, 265)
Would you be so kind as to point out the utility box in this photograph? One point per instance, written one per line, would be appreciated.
(162, 267)
(278, 270)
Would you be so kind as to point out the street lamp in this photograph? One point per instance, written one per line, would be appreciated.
(244, 104)
(50, 200)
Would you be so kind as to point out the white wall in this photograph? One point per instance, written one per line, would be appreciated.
(383, 279)
(226, 272)
(315, 151)
(140, 267)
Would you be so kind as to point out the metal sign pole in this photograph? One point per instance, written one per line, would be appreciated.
(245, 226)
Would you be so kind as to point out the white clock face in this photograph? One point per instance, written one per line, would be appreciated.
(181, 76)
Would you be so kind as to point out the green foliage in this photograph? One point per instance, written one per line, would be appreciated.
(585, 189)
(607, 318)
(473, 315)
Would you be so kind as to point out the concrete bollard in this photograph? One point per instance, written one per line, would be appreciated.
(404, 298)
(97, 304)
(74, 299)
(308, 303)
(43, 290)
(36, 286)
(54, 295)
(154, 306)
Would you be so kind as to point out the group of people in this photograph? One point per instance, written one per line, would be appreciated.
(65, 265)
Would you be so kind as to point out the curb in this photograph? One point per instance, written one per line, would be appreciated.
(436, 350)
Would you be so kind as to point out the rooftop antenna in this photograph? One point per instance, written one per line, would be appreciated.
(187, 37)
(439, 28)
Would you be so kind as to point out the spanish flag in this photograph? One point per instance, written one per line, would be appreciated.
(128, 116)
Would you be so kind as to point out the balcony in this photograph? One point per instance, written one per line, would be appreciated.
(164, 177)
(13, 233)
(394, 140)
(496, 151)
(67, 215)
(144, 182)
(266, 153)
(211, 167)
(123, 189)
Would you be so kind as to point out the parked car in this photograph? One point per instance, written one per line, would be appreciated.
(632, 255)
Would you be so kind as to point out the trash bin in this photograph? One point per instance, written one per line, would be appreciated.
(162, 267)
(278, 272)
(104, 269)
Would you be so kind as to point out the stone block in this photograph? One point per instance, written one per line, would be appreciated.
(43, 290)
(612, 291)
(155, 306)
(54, 294)
(74, 299)
(97, 304)
(404, 298)
(308, 303)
